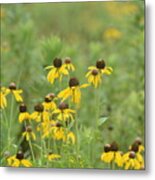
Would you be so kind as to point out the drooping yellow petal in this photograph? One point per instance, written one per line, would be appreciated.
(49, 67)
(107, 70)
(84, 85)
(65, 93)
(3, 101)
(51, 75)
(91, 67)
(16, 163)
(71, 137)
(36, 116)
(107, 156)
(10, 160)
(23, 116)
(76, 95)
(118, 159)
(26, 163)
(17, 95)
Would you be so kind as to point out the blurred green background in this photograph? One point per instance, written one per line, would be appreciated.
(32, 35)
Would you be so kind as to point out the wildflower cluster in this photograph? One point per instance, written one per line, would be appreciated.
(52, 126)
(133, 159)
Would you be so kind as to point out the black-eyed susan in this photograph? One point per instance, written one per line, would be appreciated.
(70, 138)
(52, 156)
(68, 64)
(132, 161)
(94, 77)
(29, 134)
(138, 148)
(58, 132)
(73, 91)
(138, 142)
(49, 103)
(3, 101)
(24, 115)
(111, 154)
(101, 66)
(18, 160)
(56, 71)
(63, 112)
(39, 113)
(16, 92)
(46, 128)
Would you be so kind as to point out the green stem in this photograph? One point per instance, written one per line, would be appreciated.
(5, 116)
(77, 136)
(31, 149)
(10, 120)
(95, 126)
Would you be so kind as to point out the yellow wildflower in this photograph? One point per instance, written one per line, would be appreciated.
(94, 77)
(101, 66)
(3, 101)
(52, 156)
(56, 71)
(137, 145)
(39, 113)
(138, 148)
(29, 134)
(69, 138)
(133, 160)
(24, 115)
(46, 127)
(18, 160)
(16, 92)
(63, 112)
(68, 65)
(49, 104)
(111, 154)
(58, 132)
(73, 91)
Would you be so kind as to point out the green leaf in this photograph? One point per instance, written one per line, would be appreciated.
(102, 120)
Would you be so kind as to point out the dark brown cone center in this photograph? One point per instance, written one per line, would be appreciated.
(20, 155)
(73, 82)
(94, 72)
(12, 86)
(107, 148)
(114, 146)
(67, 60)
(39, 108)
(63, 106)
(57, 62)
(132, 155)
(47, 99)
(135, 147)
(22, 108)
(100, 64)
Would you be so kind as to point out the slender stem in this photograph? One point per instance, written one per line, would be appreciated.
(41, 149)
(112, 165)
(5, 116)
(95, 126)
(77, 136)
(31, 149)
(10, 120)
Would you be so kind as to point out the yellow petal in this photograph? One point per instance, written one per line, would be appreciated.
(49, 67)
(17, 95)
(26, 163)
(84, 85)
(91, 67)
